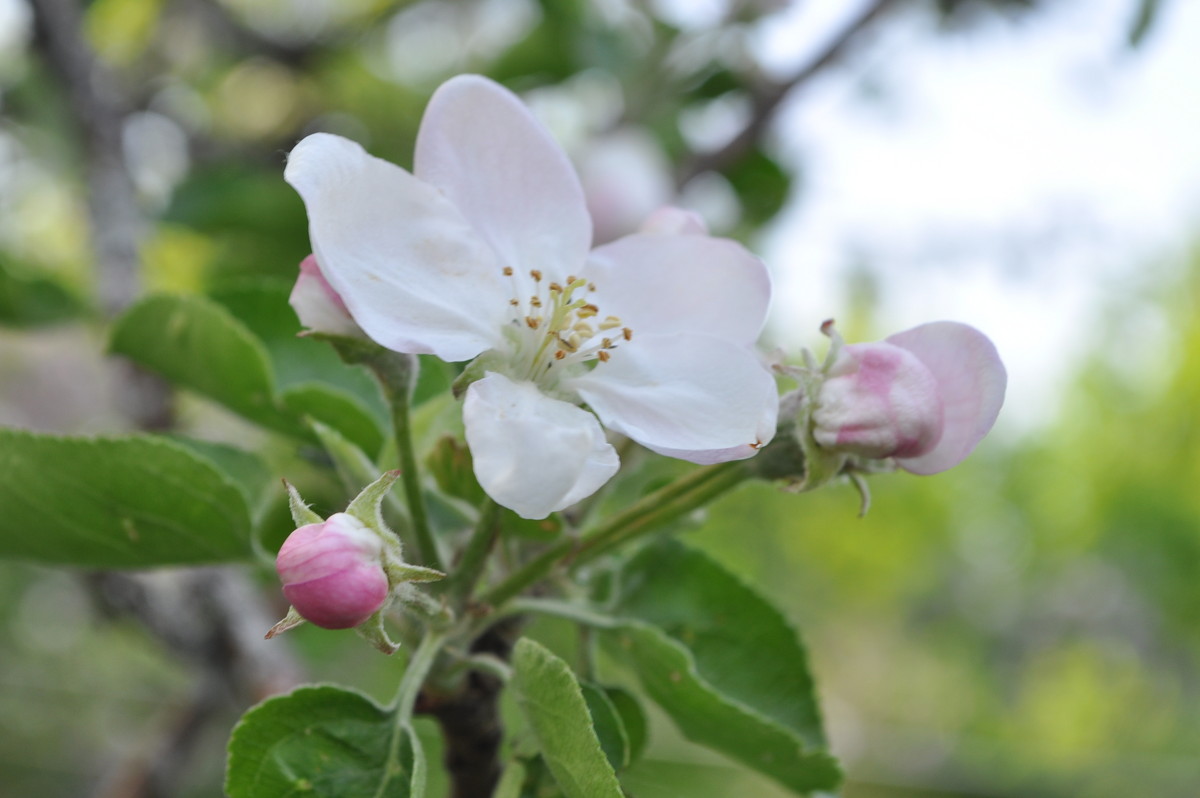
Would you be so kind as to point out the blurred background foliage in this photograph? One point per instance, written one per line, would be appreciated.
(1025, 625)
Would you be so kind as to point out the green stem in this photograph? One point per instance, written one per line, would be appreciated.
(467, 570)
(646, 515)
(411, 479)
(661, 507)
(414, 676)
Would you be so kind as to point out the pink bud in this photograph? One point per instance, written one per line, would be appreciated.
(925, 396)
(318, 306)
(878, 401)
(332, 572)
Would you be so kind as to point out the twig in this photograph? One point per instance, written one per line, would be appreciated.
(767, 98)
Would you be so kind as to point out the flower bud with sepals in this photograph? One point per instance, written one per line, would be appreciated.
(344, 572)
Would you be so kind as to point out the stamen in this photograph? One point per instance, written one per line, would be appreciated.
(555, 288)
(536, 301)
(627, 333)
(536, 275)
(533, 322)
(610, 323)
(606, 343)
(514, 303)
(603, 356)
(508, 272)
(559, 354)
(587, 311)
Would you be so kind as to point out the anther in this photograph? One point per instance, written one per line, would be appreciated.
(508, 272)
(627, 333)
(536, 275)
(610, 323)
(535, 301)
(606, 343)
(532, 322)
(555, 288)
(559, 354)
(514, 303)
(603, 356)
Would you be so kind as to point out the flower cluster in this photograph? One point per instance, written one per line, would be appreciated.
(483, 253)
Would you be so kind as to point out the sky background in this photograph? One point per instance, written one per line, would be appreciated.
(1016, 176)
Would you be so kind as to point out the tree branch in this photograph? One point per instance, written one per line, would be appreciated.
(767, 98)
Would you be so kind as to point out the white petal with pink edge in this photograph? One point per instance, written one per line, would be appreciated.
(532, 453)
(686, 392)
(661, 283)
(501, 168)
(971, 379)
(413, 273)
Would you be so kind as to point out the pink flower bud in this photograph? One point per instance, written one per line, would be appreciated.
(925, 396)
(878, 401)
(318, 306)
(332, 572)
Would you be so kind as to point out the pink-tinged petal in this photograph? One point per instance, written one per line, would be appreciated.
(317, 305)
(332, 572)
(674, 221)
(971, 379)
(487, 153)
(412, 271)
(533, 454)
(661, 284)
(878, 400)
(694, 396)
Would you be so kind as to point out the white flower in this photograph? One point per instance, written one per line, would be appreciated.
(484, 252)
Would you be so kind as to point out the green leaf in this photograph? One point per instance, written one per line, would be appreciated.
(338, 409)
(309, 373)
(724, 663)
(512, 780)
(633, 720)
(128, 502)
(325, 742)
(554, 707)
(245, 470)
(31, 299)
(196, 343)
(607, 723)
(668, 672)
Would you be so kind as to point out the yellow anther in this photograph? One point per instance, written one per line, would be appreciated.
(574, 340)
(627, 333)
(533, 322)
(536, 275)
(610, 323)
(587, 311)
(591, 286)
(555, 288)
(603, 356)
(535, 301)
(606, 343)
(559, 354)
(508, 272)
(584, 329)
(514, 303)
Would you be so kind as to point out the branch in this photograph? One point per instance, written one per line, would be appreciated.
(767, 98)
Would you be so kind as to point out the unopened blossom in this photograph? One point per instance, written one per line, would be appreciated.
(925, 397)
(332, 572)
(483, 253)
(317, 305)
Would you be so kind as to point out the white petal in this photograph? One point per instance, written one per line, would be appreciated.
(670, 220)
(413, 273)
(533, 454)
(487, 153)
(971, 379)
(685, 393)
(660, 283)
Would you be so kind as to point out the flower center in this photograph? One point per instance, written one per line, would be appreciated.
(556, 325)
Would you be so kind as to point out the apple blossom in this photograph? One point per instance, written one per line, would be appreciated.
(925, 396)
(483, 253)
(333, 573)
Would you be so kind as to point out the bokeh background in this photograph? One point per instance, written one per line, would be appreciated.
(1027, 624)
